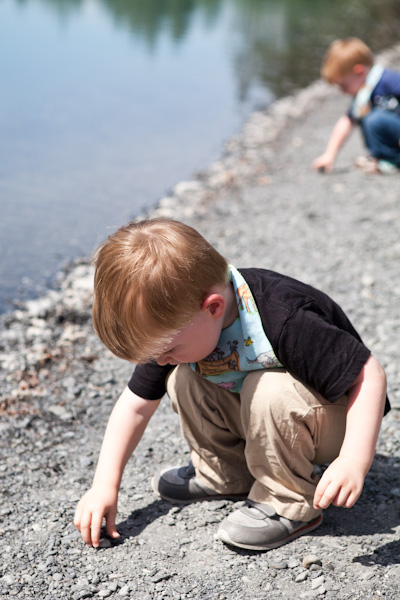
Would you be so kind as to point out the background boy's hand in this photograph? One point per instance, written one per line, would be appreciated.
(99, 502)
(324, 163)
(341, 484)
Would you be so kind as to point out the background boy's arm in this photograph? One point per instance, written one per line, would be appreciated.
(340, 133)
(125, 428)
(342, 482)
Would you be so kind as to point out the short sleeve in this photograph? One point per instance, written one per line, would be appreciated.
(321, 354)
(149, 380)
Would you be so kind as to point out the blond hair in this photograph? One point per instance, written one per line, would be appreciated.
(150, 281)
(342, 56)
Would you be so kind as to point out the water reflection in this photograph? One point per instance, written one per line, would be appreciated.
(105, 104)
(277, 43)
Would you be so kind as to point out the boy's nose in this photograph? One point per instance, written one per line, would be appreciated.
(162, 360)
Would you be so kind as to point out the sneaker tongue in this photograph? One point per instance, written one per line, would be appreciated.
(256, 510)
(187, 471)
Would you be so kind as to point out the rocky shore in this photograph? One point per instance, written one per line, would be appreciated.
(261, 205)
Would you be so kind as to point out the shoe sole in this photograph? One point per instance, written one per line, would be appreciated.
(224, 537)
(205, 498)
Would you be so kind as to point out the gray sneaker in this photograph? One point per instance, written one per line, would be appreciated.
(180, 484)
(256, 526)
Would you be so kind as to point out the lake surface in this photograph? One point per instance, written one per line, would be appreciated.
(106, 104)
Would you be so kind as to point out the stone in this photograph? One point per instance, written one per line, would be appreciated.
(293, 563)
(317, 582)
(311, 559)
(301, 577)
(278, 564)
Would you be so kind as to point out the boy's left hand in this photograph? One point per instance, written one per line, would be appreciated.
(341, 484)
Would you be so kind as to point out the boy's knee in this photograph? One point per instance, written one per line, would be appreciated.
(279, 397)
(379, 122)
(270, 393)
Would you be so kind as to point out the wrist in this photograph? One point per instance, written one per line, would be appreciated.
(362, 465)
(330, 155)
(99, 483)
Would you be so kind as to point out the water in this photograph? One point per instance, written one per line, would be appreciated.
(105, 105)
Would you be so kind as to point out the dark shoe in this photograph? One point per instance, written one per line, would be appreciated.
(256, 526)
(180, 484)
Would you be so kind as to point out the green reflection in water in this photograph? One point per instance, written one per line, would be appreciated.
(278, 43)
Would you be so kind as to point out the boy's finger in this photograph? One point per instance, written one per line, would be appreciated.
(97, 520)
(317, 497)
(317, 501)
(77, 518)
(84, 528)
(110, 525)
(330, 493)
(322, 503)
(112, 531)
(319, 492)
(352, 499)
(321, 497)
(341, 497)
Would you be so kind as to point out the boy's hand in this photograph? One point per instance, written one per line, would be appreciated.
(100, 501)
(341, 484)
(324, 163)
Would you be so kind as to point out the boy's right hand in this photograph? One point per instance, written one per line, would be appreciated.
(324, 163)
(99, 502)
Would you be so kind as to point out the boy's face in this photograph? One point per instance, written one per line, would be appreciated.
(194, 342)
(351, 83)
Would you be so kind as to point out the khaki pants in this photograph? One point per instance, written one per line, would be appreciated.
(263, 441)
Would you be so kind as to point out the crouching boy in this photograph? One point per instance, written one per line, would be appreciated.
(267, 374)
(375, 106)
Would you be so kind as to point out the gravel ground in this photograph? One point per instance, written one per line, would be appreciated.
(261, 205)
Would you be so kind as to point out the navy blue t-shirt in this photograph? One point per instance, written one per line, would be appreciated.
(386, 93)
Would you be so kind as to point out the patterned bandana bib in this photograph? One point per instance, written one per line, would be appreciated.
(362, 101)
(242, 347)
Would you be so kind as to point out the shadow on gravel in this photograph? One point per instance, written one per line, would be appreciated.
(388, 554)
(140, 518)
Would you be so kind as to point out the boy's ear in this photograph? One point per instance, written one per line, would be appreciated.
(359, 69)
(215, 304)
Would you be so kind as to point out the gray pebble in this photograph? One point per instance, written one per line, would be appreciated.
(314, 573)
(273, 573)
(293, 563)
(311, 559)
(278, 564)
(317, 582)
(301, 577)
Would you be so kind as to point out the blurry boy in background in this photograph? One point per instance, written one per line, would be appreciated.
(349, 63)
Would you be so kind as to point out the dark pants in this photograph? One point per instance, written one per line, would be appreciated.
(381, 129)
